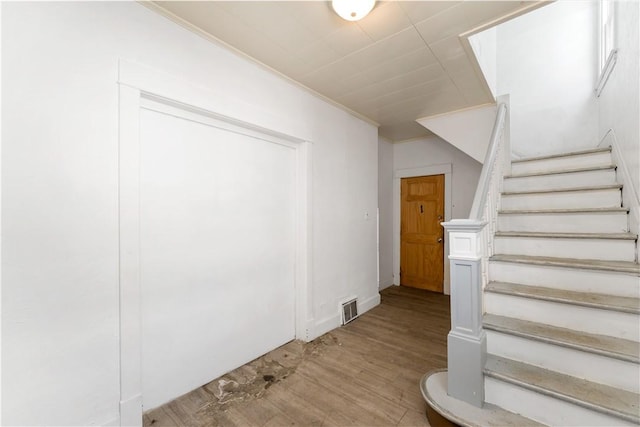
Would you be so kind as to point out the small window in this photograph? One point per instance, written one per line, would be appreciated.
(608, 51)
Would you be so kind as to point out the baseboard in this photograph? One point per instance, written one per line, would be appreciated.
(323, 326)
(113, 423)
(131, 411)
(369, 303)
(330, 323)
(630, 198)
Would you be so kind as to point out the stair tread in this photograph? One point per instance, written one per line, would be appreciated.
(598, 397)
(561, 171)
(554, 211)
(617, 348)
(564, 190)
(612, 236)
(588, 264)
(568, 154)
(588, 299)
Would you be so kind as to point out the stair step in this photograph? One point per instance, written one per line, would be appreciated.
(564, 190)
(595, 220)
(617, 324)
(512, 269)
(586, 299)
(561, 172)
(544, 235)
(603, 196)
(617, 348)
(593, 158)
(565, 350)
(560, 155)
(562, 179)
(603, 246)
(627, 267)
(593, 396)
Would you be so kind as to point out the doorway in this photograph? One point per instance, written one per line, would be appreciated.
(421, 235)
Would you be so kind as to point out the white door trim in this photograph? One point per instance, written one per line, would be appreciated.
(137, 84)
(438, 169)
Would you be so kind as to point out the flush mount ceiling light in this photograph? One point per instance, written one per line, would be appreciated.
(352, 10)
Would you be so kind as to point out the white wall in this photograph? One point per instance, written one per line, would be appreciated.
(547, 63)
(60, 193)
(484, 45)
(385, 206)
(468, 130)
(619, 102)
(432, 153)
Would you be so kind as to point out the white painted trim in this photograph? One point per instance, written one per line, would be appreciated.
(217, 104)
(369, 303)
(325, 325)
(0, 209)
(111, 423)
(606, 72)
(437, 169)
(129, 257)
(142, 87)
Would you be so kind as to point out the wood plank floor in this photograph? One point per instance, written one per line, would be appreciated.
(363, 374)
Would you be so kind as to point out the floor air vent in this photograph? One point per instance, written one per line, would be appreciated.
(349, 311)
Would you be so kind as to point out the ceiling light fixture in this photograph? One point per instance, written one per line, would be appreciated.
(352, 10)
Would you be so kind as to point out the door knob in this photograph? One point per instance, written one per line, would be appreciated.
(440, 240)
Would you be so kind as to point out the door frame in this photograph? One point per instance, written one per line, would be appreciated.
(136, 83)
(438, 169)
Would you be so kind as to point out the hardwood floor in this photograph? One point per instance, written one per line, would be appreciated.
(363, 374)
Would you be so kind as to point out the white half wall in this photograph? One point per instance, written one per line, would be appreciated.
(469, 130)
(385, 206)
(60, 260)
(433, 156)
(619, 102)
(547, 63)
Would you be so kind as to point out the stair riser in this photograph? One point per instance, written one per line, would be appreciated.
(562, 163)
(563, 180)
(612, 372)
(565, 222)
(544, 409)
(579, 318)
(571, 279)
(609, 198)
(602, 249)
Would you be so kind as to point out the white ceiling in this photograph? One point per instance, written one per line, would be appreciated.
(404, 61)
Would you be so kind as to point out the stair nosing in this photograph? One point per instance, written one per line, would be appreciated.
(627, 267)
(563, 211)
(562, 171)
(559, 394)
(487, 324)
(519, 292)
(560, 155)
(565, 190)
(552, 235)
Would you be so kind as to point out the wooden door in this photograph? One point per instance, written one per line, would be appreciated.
(421, 235)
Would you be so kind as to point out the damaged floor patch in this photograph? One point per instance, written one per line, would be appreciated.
(246, 383)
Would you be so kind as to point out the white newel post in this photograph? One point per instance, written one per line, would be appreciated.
(466, 341)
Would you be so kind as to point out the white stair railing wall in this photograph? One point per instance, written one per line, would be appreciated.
(470, 247)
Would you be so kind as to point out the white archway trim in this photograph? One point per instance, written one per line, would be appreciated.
(138, 83)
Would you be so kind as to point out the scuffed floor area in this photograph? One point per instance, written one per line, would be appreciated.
(364, 374)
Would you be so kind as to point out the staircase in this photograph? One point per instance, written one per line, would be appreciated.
(562, 306)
